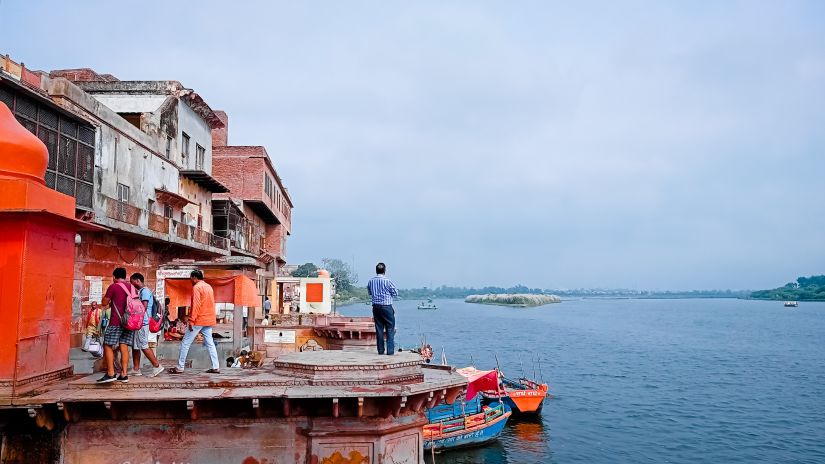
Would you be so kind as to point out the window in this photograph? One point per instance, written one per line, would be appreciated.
(200, 221)
(70, 143)
(200, 156)
(122, 193)
(150, 206)
(132, 118)
(167, 211)
(184, 145)
(268, 186)
(168, 147)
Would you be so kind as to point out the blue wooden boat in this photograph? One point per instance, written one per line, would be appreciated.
(464, 424)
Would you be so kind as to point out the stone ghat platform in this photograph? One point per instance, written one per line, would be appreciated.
(319, 383)
(312, 407)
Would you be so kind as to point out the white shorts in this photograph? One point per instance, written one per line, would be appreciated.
(141, 338)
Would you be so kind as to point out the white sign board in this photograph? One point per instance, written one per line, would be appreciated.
(174, 273)
(279, 336)
(95, 289)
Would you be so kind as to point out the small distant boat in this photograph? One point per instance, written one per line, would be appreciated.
(427, 305)
(523, 396)
(467, 422)
(788, 304)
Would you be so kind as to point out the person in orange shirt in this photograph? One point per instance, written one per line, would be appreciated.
(201, 319)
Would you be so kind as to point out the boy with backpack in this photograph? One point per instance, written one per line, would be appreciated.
(116, 335)
(141, 339)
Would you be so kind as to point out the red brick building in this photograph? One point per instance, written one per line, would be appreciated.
(256, 214)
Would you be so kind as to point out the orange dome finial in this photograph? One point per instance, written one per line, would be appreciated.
(22, 154)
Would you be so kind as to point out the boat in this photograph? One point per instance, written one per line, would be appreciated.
(469, 421)
(427, 305)
(523, 396)
(788, 304)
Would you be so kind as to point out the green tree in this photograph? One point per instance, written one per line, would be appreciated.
(345, 277)
(306, 270)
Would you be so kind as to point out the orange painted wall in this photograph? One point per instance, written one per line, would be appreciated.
(35, 300)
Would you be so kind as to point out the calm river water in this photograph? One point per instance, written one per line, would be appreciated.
(645, 381)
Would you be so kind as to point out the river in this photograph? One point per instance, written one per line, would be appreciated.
(644, 381)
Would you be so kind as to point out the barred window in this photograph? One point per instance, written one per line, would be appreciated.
(70, 143)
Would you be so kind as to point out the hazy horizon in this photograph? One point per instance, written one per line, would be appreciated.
(640, 145)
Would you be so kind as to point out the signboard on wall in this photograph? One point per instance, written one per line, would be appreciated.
(279, 336)
(95, 289)
(315, 295)
(174, 273)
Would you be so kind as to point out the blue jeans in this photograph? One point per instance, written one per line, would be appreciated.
(189, 337)
(384, 317)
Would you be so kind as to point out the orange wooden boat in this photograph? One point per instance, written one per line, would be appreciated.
(524, 396)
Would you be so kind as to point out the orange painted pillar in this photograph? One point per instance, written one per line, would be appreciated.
(36, 265)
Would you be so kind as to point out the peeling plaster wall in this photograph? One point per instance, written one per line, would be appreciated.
(202, 200)
(199, 132)
(124, 154)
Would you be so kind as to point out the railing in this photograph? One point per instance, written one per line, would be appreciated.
(242, 241)
(132, 215)
(158, 223)
(122, 212)
(187, 232)
(179, 230)
(218, 242)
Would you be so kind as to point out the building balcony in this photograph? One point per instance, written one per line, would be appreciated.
(130, 219)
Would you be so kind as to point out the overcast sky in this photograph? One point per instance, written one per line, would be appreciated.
(614, 144)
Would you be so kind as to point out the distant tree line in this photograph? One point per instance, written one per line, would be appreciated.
(348, 289)
(804, 289)
(461, 292)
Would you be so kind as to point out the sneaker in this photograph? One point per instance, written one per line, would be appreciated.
(106, 379)
(123, 378)
(136, 373)
(213, 371)
(157, 370)
(175, 370)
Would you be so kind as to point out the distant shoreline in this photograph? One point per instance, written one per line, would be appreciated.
(592, 297)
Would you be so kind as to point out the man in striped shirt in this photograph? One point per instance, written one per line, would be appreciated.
(382, 291)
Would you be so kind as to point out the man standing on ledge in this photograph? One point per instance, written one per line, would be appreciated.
(382, 291)
(201, 319)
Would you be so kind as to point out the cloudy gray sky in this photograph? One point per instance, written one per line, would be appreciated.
(615, 144)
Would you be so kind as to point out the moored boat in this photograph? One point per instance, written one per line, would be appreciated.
(467, 422)
(523, 396)
(791, 304)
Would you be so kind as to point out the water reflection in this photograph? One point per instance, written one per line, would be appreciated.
(524, 440)
(527, 439)
(493, 453)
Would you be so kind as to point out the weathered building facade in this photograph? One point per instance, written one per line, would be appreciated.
(137, 158)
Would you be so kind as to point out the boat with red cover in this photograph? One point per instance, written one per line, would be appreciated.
(468, 421)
